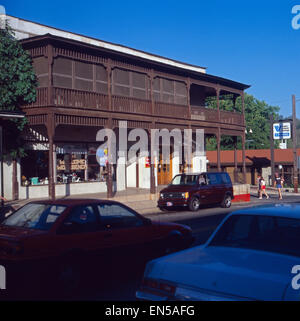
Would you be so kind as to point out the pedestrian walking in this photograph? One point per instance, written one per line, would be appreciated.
(278, 184)
(263, 188)
(258, 184)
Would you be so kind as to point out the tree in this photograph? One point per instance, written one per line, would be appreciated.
(18, 84)
(257, 116)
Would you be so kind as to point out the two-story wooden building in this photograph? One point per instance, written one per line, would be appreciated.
(86, 84)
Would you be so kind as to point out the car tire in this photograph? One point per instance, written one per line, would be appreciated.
(68, 274)
(226, 203)
(194, 204)
(174, 243)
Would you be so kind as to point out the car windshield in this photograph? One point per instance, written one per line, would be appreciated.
(185, 180)
(257, 232)
(35, 216)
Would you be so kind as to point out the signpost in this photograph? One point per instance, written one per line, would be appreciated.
(282, 130)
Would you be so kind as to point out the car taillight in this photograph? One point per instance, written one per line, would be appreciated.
(159, 285)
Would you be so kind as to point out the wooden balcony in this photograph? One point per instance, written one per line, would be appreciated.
(131, 105)
(171, 110)
(211, 115)
(41, 99)
(77, 99)
(232, 118)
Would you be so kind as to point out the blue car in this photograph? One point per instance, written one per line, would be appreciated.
(254, 254)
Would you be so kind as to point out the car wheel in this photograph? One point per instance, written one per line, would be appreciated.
(194, 204)
(226, 203)
(174, 242)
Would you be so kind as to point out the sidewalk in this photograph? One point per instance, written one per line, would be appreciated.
(140, 199)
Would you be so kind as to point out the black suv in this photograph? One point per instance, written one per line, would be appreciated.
(193, 190)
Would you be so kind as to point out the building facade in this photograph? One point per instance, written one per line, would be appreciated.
(87, 84)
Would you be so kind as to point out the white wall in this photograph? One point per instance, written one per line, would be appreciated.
(7, 180)
(61, 190)
(131, 174)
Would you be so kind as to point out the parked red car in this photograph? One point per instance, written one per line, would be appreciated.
(66, 228)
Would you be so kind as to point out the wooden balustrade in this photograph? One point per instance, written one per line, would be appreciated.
(79, 99)
(232, 118)
(131, 105)
(64, 97)
(41, 99)
(171, 110)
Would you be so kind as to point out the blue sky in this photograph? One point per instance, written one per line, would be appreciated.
(250, 42)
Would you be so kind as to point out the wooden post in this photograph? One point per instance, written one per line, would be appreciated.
(244, 158)
(15, 185)
(51, 133)
(295, 181)
(235, 161)
(272, 150)
(109, 181)
(219, 148)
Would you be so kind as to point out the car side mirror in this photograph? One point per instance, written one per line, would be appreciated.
(147, 221)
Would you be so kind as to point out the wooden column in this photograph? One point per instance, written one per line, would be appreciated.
(152, 167)
(244, 140)
(244, 157)
(51, 133)
(109, 181)
(188, 87)
(235, 161)
(219, 148)
(15, 185)
(218, 135)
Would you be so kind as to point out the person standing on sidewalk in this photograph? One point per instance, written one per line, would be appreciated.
(258, 185)
(263, 188)
(278, 184)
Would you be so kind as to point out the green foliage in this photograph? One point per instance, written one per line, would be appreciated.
(18, 84)
(257, 116)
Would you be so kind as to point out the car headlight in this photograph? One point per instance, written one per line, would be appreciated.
(185, 195)
(161, 195)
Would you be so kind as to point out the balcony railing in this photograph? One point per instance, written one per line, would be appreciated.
(71, 98)
(171, 110)
(203, 113)
(211, 115)
(79, 99)
(41, 99)
(131, 105)
(232, 118)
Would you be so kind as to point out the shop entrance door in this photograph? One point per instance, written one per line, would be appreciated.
(164, 171)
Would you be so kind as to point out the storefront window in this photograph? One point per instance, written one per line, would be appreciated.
(75, 163)
(34, 168)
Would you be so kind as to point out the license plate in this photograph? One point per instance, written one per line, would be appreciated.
(169, 204)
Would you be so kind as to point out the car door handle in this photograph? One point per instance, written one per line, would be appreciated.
(106, 236)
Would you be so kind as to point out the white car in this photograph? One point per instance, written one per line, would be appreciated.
(254, 254)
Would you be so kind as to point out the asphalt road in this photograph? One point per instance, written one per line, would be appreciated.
(117, 287)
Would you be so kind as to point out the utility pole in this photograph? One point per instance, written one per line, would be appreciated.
(295, 146)
(272, 149)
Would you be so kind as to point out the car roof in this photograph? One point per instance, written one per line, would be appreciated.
(74, 201)
(201, 173)
(291, 210)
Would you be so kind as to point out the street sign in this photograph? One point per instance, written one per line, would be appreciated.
(282, 131)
